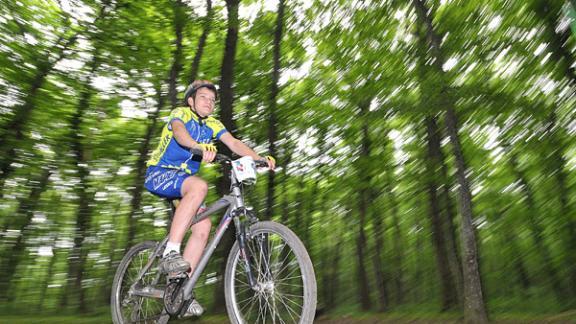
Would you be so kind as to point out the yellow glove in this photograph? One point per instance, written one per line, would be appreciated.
(271, 158)
(208, 147)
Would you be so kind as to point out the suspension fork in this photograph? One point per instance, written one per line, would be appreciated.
(241, 236)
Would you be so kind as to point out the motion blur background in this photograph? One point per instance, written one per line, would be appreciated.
(402, 128)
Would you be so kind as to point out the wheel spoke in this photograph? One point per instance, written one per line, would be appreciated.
(279, 272)
(289, 310)
(131, 308)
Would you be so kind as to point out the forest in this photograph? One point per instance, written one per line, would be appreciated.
(426, 149)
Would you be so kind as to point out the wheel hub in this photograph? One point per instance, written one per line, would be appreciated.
(265, 287)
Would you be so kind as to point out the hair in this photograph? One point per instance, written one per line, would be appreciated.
(197, 84)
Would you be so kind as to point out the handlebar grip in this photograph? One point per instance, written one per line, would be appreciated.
(219, 157)
(224, 158)
(261, 163)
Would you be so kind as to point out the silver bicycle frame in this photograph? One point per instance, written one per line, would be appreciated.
(233, 201)
(147, 291)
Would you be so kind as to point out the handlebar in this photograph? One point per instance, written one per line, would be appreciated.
(226, 159)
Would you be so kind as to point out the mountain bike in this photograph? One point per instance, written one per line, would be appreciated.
(269, 277)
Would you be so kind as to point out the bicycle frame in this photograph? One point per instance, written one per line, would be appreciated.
(233, 202)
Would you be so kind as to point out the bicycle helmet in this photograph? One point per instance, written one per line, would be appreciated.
(194, 86)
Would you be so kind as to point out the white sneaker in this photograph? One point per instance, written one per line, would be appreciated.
(194, 309)
(174, 263)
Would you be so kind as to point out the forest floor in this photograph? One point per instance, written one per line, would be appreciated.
(563, 318)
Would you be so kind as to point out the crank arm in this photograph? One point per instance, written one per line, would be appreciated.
(147, 292)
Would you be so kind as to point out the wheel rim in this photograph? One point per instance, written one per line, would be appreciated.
(279, 295)
(136, 309)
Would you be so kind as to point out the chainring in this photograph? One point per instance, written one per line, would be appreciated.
(174, 298)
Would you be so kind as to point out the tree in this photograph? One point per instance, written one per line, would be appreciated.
(272, 124)
(226, 117)
(46, 61)
(180, 20)
(12, 255)
(77, 259)
(207, 26)
(474, 308)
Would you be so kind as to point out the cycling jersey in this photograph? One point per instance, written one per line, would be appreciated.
(170, 154)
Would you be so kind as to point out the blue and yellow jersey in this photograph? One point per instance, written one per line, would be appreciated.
(170, 154)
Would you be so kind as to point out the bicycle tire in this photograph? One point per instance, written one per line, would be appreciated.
(277, 299)
(135, 309)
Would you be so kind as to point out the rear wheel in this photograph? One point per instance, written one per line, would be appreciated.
(285, 290)
(128, 308)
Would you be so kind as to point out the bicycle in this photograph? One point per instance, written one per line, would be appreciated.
(269, 276)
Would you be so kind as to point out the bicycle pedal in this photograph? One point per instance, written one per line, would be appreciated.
(176, 275)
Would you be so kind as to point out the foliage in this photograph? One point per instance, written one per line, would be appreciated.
(356, 88)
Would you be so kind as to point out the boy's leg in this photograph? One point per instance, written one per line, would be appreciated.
(193, 192)
(197, 242)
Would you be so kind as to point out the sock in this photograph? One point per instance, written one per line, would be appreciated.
(171, 246)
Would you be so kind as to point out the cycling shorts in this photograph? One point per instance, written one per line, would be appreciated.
(165, 182)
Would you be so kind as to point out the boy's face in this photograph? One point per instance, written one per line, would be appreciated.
(205, 102)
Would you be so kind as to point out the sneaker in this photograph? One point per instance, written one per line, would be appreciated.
(194, 309)
(174, 263)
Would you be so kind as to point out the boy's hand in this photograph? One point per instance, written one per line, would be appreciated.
(208, 152)
(271, 161)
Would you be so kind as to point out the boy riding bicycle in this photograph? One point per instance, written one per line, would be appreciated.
(172, 168)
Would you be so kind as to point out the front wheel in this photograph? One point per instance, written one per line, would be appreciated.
(285, 285)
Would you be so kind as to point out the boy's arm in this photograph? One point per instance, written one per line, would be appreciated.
(181, 134)
(183, 138)
(238, 147)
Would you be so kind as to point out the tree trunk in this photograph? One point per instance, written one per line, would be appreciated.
(179, 23)
(106, 288)
(334, 279)
(536, 230)
(44, 286)
(226, 117)
(202, 41)
(474, 307)
(298, 221)
(306, 217)
(420, 260)
(272, 115)
(510, 239)
(285, 218)
(13, 255)
(227, 70)
(439, 233)
(398, 242)
(361, 243)
(364, 197)
(226, 85)
(448, 215)
(138, 184)
(77, 258)
(379, 275)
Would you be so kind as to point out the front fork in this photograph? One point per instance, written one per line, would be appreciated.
(242, 234)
